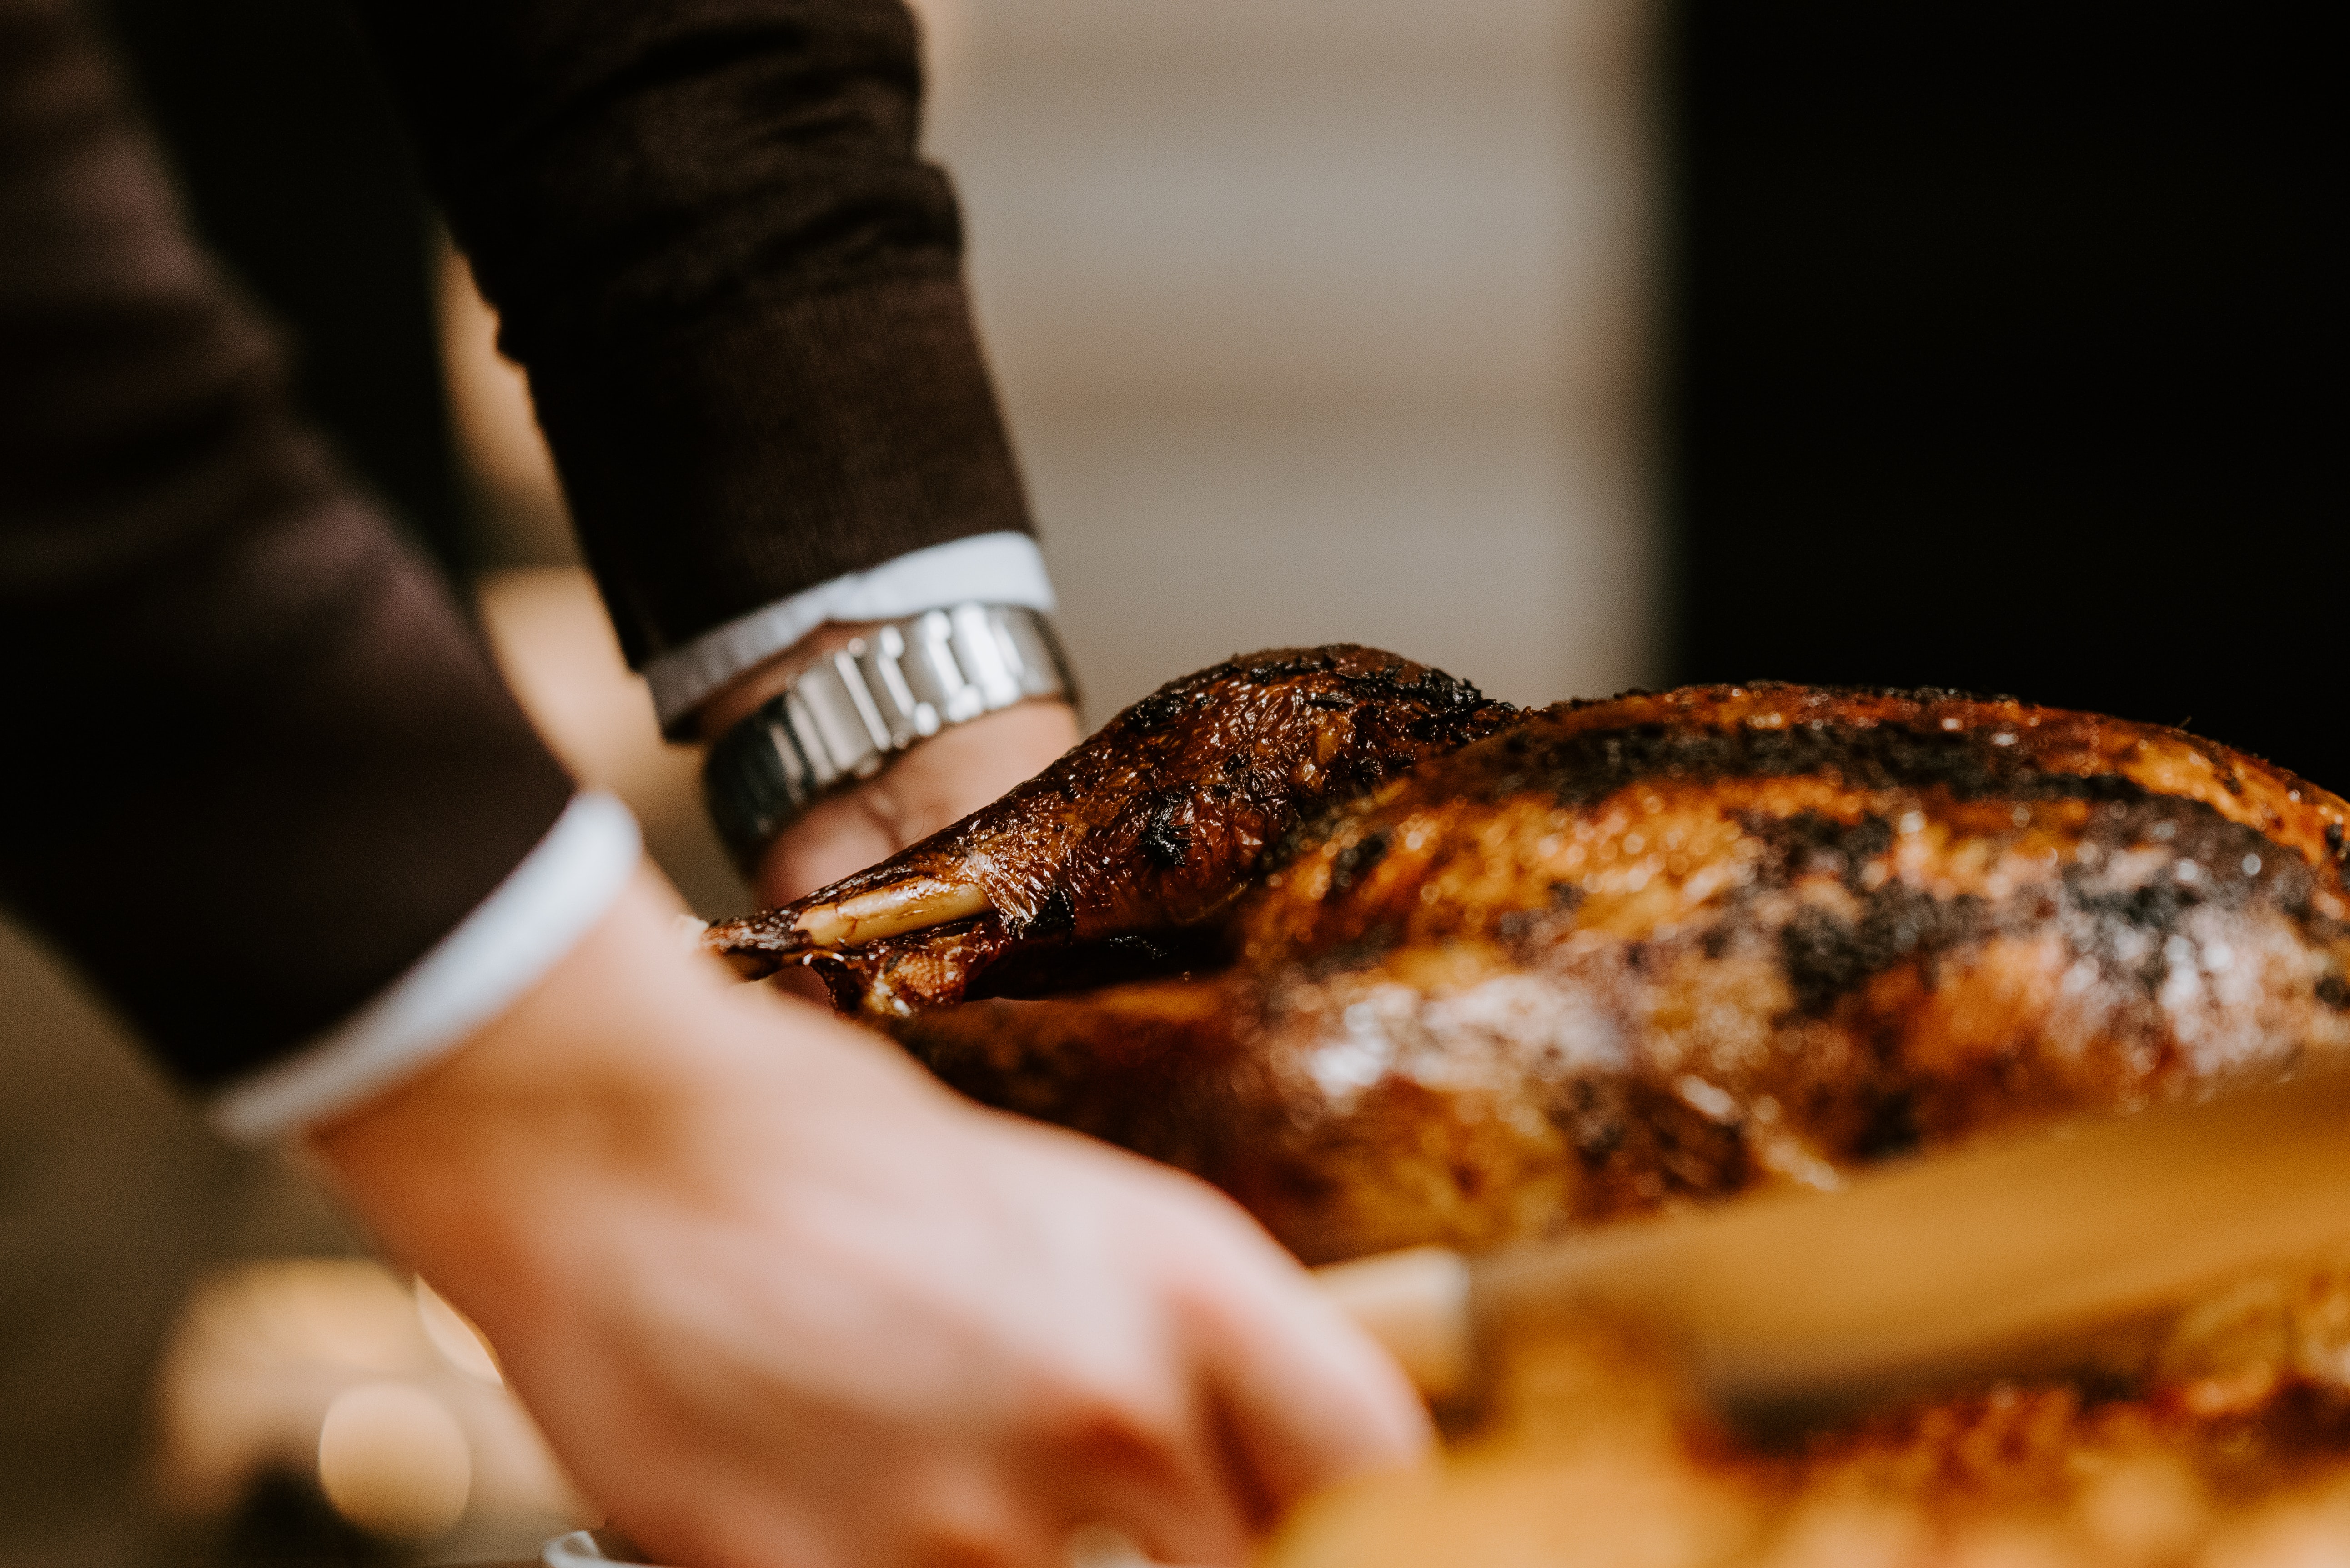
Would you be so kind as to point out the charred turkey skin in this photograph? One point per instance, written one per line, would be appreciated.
(1148, 830)
(1608, 957)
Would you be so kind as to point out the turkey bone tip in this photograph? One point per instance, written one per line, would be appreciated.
(912, 905)
(757, 948)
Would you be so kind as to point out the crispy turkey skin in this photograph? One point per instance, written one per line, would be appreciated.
(1448, 972)
(1142, 834)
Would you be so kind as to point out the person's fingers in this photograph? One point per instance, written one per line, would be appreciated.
(1176, 1499)
(974, 1520)
(1309, 1399)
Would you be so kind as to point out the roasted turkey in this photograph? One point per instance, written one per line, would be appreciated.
(1393, 963)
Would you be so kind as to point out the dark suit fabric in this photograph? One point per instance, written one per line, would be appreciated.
(257, 762)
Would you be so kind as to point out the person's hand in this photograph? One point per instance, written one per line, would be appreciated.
(940, 781)
(781, 1301)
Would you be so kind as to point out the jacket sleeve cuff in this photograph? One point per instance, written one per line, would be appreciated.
(561, 888)
(1002, 569)
(782, 443)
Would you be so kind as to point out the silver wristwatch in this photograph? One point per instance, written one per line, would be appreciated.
(849, 713)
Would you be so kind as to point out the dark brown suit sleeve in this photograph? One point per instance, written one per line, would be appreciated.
(257, 763)
(736, 287)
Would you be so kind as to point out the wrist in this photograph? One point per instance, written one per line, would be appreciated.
(614, 1081)
(442, 1166)
(927, 788)
(821, 722)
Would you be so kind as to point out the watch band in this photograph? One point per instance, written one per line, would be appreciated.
(846, 715)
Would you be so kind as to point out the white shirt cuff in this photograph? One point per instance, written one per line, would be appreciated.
(510, 940)
(986, 568)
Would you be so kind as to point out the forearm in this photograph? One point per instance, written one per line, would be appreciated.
(736, 288)
(609, 1077)
(734, 283)
(261, 762)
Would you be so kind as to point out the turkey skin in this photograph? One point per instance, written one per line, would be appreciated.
(1392, 964)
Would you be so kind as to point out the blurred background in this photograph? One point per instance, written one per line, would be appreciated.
(1569, 345)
